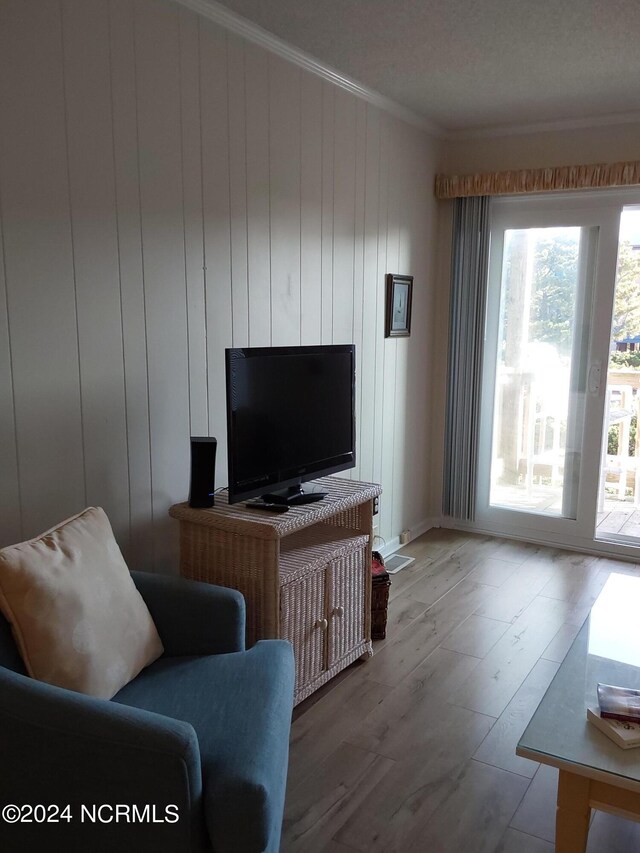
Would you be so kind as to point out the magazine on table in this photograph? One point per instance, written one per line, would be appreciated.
(619, 703)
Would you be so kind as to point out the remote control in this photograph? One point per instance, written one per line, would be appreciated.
(268, 507)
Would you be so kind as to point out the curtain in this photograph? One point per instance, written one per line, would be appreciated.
(552, 179)
(466, 336)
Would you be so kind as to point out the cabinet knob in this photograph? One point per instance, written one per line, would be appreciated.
(338, 611)
(321, 623)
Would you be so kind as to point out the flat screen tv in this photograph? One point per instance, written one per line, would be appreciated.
(290, 419)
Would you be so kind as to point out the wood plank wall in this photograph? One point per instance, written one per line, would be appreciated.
(167, 190)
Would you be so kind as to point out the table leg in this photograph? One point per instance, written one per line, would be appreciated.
(572, 814)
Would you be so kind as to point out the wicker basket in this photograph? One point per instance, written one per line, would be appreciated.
(380, 583)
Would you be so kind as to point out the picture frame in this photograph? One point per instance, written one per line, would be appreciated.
(397, 320)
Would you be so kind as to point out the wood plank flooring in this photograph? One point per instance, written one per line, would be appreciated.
(414, 750)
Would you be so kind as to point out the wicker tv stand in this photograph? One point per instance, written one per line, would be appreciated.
(305, 574)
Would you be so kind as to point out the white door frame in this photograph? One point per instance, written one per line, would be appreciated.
(588, 209)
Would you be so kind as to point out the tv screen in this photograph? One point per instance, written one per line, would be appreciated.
(290, 418)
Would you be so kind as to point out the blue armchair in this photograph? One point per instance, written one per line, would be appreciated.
(190, 756)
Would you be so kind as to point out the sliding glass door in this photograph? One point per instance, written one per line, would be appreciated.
(618, 518)
(546, 280)
(551, 283)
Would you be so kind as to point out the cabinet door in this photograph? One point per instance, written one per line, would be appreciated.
(346, 604)
(303, 622)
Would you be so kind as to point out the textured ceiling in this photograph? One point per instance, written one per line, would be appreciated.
(468, 64)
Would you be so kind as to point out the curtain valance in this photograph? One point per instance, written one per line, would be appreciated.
(596, 176)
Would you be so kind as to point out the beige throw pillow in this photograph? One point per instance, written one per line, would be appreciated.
(76, 615)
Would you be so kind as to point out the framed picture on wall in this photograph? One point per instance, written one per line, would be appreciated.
(397, 319)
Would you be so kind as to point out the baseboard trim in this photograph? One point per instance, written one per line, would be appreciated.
(389, 547)
(394, 545)
(427, 524)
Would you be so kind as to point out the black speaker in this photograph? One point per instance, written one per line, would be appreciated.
(203, 471)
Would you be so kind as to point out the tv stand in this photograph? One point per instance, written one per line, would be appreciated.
(294, 496)
(305, 573)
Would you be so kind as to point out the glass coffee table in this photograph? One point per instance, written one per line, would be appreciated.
(595, 773)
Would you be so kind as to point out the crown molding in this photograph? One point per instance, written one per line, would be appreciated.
(545, 126)
(246, 29)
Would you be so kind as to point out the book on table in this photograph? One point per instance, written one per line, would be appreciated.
(619, 703)
(625, 734)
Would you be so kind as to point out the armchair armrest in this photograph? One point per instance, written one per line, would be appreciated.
(63, 748)
(193, 618)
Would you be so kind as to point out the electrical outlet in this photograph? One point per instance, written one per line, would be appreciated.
(376, 505)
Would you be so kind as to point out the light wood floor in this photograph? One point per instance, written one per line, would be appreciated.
(414, 750)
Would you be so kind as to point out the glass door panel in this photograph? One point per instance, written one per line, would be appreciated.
(550, 293)
(545, 284)
(559, 448)
(619, 492)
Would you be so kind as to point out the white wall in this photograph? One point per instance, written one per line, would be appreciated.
(167, 190)
(611, 143)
